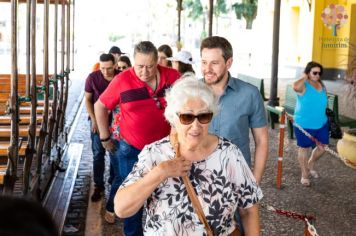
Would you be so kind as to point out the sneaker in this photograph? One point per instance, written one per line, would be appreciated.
(98, 193)
(109, 217)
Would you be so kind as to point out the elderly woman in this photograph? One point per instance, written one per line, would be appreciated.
(216, 168)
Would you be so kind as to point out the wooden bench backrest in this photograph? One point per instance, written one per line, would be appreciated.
(6, 78)
(254, 81)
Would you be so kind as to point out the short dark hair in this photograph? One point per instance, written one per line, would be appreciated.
(115, 50)
(183, 67)
(126, 60)
(24, 217)
(167, 50)
(311, 65)
(107, 57)
(146, 47)
(218, 42)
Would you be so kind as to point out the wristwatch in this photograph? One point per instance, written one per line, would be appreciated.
(105, 139)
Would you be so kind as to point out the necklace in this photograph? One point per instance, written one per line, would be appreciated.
(156, 84)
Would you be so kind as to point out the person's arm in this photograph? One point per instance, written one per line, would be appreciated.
(299, 85)
(90, 109)
(130, 199)
(102, 120)
(260, 136)
(250, 220)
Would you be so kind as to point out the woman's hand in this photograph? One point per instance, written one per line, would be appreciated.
(177, 167)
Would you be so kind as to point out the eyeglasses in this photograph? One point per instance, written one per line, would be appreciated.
(187, 119)
(316, 73)
(122, 67)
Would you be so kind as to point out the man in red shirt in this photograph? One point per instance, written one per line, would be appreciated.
(139, 92)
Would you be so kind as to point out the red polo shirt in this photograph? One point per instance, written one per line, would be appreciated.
(141, 109)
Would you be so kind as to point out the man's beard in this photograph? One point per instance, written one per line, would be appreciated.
(219, 79)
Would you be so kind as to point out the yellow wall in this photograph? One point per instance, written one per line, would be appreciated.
(330, 50)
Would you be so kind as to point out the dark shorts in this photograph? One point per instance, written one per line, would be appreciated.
(322, 135)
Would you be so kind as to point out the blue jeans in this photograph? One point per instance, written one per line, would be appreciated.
(98, 160)
(123, 160)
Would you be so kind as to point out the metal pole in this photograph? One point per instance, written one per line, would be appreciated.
(179, 10)
(30, 149)
(28, 48)
(73, 15)
(13, 149)
(43, 131)
(211, 11)
(68, 37)
(52, 119)
(273, 101)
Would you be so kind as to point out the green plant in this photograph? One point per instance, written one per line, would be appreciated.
(248, 10)
(194, 8)
(115, 37)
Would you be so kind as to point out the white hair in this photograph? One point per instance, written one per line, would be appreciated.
(188, 87)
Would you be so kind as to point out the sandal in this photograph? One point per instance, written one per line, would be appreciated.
(109, 217)
(314, 174)
(305, 182)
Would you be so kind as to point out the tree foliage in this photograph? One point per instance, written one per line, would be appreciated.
(246, 9)
(194, 8)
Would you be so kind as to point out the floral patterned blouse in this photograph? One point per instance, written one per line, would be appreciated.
(223, 182)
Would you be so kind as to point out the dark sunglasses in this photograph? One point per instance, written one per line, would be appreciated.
(316, 73)
(187, 119)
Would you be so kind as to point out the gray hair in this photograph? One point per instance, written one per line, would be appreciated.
(187, 87)
(146, 47)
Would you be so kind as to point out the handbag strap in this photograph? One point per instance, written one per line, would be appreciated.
(191, 192)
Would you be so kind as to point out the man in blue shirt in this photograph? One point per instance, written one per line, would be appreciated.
(241, 105)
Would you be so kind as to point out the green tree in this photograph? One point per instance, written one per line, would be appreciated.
(246, 9)
(220, 8)
(194, 8)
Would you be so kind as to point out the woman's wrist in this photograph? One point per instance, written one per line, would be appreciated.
(161, 172)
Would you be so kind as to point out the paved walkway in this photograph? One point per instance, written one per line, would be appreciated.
(330, 198)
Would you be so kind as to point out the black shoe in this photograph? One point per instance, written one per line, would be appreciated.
(98, 193)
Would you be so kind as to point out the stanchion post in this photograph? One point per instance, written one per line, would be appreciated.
(306, 230)
(280, 149)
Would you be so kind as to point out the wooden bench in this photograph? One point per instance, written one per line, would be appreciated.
(259, 83)
(289, 106)
(24, 119)
(5, 131)
(342, 120)
(3, 169)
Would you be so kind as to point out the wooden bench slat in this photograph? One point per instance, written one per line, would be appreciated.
(5, 131)
(27, 110)
(24, 119)
(4, 145)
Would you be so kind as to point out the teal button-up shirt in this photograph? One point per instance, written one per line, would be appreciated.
(241, 108)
